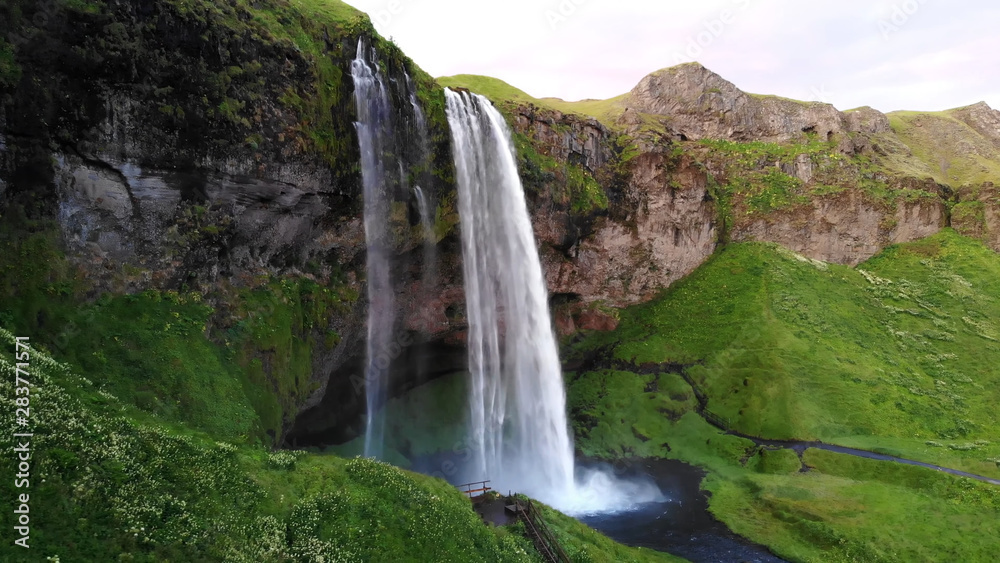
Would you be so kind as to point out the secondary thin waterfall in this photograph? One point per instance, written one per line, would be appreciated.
(520, 436)
(430, 248)
(425, 206)
(374, 127)
(423, 199)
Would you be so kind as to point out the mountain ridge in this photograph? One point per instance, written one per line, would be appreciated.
(692, 102)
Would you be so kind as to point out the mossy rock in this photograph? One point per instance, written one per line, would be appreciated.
(777, 462)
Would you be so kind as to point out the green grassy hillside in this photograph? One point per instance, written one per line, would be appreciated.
(499, 91)
(897, 356)
(897, 353)
(111, 482)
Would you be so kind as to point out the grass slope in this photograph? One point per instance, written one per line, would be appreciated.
(897, 356)
(904, 348)
(109, 482)
(493, 88)
(944, 147)
(498, 91)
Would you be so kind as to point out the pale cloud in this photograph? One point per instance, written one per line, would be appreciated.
(890, 54)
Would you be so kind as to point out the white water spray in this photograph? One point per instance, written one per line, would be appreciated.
(519, 433)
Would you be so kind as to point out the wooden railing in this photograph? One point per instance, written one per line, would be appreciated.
(475, 488)
(545, 541)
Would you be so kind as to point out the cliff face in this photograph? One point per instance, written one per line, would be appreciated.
(706, 163)
(662, 230)
(845, 229)
(649, 235)
(188, 147)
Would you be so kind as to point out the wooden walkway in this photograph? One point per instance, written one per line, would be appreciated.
(540, 535)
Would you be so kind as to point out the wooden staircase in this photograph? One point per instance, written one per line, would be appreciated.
(545, 542)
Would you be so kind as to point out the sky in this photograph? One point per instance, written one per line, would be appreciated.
(888, 54)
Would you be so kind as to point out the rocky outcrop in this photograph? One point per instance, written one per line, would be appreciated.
(664, 230)
(209, 223)
(565, 137)
(847, 228)
(977, 214)
(984, 119)
(696, 103)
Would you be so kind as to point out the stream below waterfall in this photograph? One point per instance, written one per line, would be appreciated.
(682, 524)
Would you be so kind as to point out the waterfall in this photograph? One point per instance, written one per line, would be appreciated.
(520, 436)
(375, 136)
(430, 248)
(385, 155)
(519, 433)
(423, 200)
(425, 206)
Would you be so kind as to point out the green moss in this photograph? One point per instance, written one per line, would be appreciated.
(585, 194)
(537, 171)
(774, 190)
(777, 461)
(152, 351)
(969, 219)
(756, 153)
(446, 215)
(753, 181)
(620, 414)
(10, 71)
(274, 335)
(37, 286)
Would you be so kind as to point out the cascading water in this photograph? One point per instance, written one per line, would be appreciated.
(375, 135)
(519, 432)
(428, 277)
(518, 405)
(423, 200)
(385, 157)
(427, 225)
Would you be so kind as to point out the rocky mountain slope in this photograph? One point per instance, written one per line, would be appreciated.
(835, 186)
